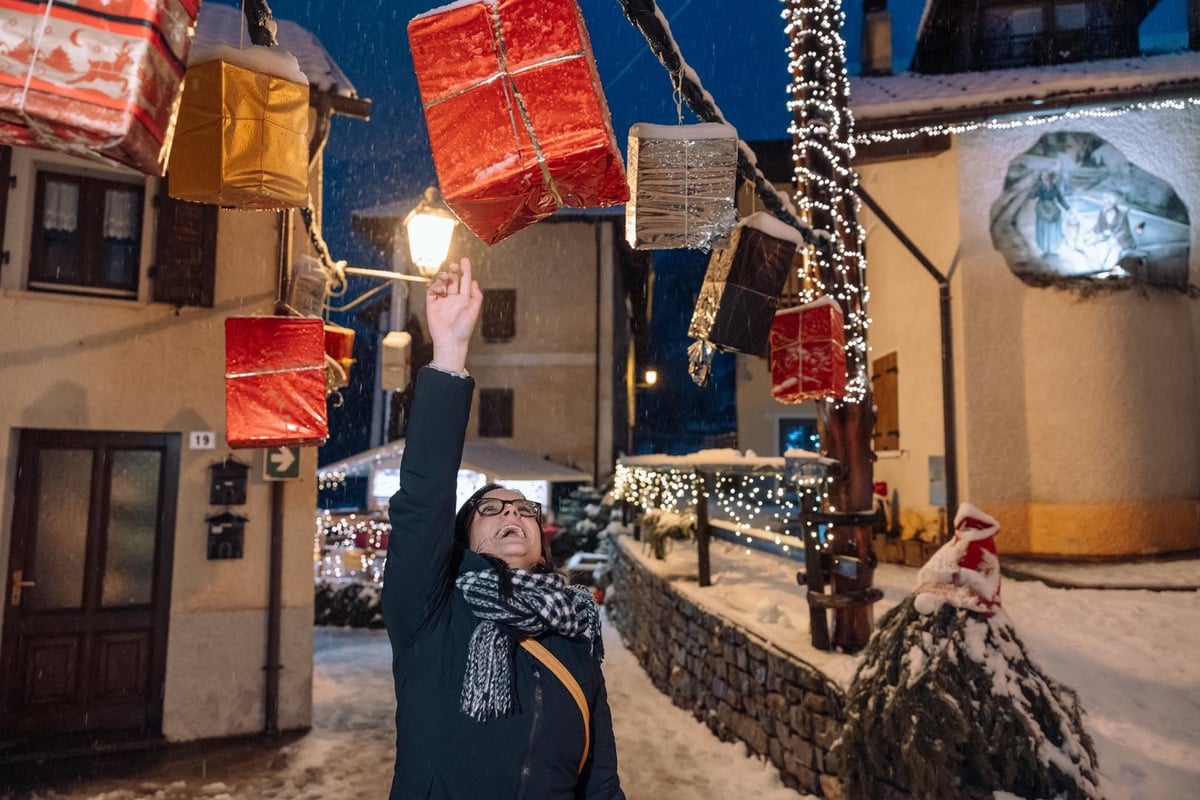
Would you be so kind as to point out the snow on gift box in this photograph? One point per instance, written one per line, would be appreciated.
(275, 381)
(682, 181)
(517, 119)
(808, 352)
(740, 292)
(242, 136)
(94, 78)
(946, 702)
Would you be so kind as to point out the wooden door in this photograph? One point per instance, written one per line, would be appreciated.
(89, 586)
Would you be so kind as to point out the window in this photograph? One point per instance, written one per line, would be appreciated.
(87, 235)
(798, 433)
(885, 389)
(499, 314)
(496, 412)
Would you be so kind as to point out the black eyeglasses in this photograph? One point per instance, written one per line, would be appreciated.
(491, 506)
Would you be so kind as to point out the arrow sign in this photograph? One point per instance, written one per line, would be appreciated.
(281, 464)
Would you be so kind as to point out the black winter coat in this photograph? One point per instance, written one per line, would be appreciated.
(440, 751)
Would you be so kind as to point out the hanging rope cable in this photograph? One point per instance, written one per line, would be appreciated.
(260, 22)
(645, 16)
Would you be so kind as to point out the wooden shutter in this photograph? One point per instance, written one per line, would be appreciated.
(496, 412)
(5, 169)
(885, 388)
(185, 260)
(499, 314)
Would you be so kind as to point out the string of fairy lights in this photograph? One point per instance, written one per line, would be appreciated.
(954, 128)
(759, 505)
(823, 131)
(350, 546)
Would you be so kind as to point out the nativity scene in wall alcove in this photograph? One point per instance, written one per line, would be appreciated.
(1076, 212)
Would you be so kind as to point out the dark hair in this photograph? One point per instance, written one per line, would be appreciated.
(462, 535)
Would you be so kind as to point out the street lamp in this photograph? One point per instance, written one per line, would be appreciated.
(429, 229)
(650, 377)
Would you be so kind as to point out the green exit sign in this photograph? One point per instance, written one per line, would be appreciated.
(281, 464)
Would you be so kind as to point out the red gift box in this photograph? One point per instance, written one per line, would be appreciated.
(275, 381)
(94, 77)
(808, 352)
(517, 119)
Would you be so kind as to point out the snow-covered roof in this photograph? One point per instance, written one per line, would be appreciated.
(499, 462)
(910, 101)
(224, 25)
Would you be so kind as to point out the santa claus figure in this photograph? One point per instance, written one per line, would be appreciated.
(965, 572)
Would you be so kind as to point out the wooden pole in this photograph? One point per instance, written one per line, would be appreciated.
(825, 184)
(703, 532)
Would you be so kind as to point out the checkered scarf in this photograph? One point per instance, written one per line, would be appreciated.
(540, 603)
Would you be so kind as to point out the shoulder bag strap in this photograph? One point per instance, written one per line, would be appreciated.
(539, 651)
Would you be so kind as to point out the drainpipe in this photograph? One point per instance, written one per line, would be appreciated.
(948, 415)
(275, 568)
(598, 372)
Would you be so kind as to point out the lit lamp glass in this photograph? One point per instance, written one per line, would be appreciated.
(651, 377)
(429, 228)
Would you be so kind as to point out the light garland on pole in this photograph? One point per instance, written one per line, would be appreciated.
(822, 128)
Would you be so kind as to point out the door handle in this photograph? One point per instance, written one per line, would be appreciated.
(18, 584)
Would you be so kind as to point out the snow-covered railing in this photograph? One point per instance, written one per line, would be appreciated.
(789, 485)
(792, 492)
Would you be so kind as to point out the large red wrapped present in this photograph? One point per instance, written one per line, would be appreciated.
(275, 381)
(94, 77)
(517, 119)
(808, 352)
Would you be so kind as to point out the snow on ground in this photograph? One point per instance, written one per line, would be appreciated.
(1133, 656)
(664, 753)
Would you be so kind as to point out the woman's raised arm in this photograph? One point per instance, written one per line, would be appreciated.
(417, 578)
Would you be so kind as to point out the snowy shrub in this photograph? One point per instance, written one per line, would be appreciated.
(659, 527)
(347, 604)
(948, 705)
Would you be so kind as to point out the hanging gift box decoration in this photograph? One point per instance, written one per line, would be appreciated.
(516, 116)
(94, 78)
(682, 181)
(808, 352)
(275, 382)
(339, 356)
(242, 136)
(741, 289)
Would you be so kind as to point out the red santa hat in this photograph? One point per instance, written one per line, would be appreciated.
(965, 572)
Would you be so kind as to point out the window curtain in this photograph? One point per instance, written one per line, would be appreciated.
(120, 214)
(61, 208)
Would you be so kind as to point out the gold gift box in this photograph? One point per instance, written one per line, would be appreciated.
(241, 139)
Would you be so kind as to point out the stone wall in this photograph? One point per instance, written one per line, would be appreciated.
(737, 683)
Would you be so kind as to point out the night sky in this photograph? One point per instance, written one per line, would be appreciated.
(740, 59)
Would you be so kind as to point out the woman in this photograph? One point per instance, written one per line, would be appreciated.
(478, 715)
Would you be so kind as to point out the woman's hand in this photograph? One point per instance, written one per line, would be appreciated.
(452, 305)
